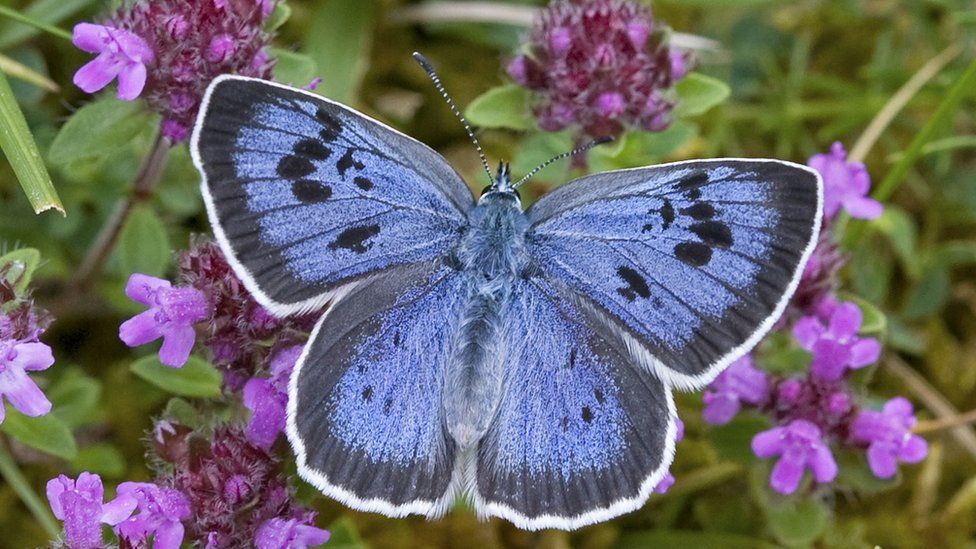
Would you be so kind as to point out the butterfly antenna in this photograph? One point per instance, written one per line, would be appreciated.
(440, 87)
(582, 149)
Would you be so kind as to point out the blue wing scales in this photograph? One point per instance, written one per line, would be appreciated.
(364, 410)
(691, 262)
(306, 195)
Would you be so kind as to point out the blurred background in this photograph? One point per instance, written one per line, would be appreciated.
(776, 78)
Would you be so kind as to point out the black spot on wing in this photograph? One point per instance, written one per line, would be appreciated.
(294, 167)
(363, 183)
(636, 285)
(598, 394)
(700, 211)
(368, 393)
(347, 161)
(713, 233)
(586, 414)
(667, 214)
(647, 228)
(354, 238)
(331, 127)
(572, 357)
(312, 148)
(695, 254)
(310, 192)
(387, 406)
(691, 183)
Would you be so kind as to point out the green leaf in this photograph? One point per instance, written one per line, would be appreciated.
(143, 243)
(678, 539)
(98, 129)
(698, 93)
(297, 69)
(732, 441)
(797, 522)
(183, 413)
(15, 15)
(20, 266)
(873, 320)
(539, 147)
(901, 231)
(21, 151)
(339, 37)
(46, 433)
(197, 378)
(74, 397)
(853, 471)
(928, 295)
(501, 107)
(46, 11)
(102, 458)
(343, 535)
(278, 17)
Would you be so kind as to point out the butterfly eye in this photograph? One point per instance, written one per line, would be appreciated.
(485, 190)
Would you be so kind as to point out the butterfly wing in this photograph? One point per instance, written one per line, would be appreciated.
(691, 262)
(364, 407)
(583, 432)
(306, 196)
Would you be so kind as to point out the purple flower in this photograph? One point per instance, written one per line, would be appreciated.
(889, 437)
(278, 533)
(799, 446)
(171, 316)
(16, 359)
(835, 346)
(268, 397)
(846, 184)
(599, 66)
(121, 54)
(79, 505)
(161, 512)
(740, 383)
(667, 482)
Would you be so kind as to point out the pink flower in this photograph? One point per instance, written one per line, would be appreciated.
(668, 481)
(268, 397)
(161, 512)
(121, 54)
(740, 383)
(279, 533)
(846, 184)
(171, 316)
(799, 446)
(79, 505)
(835, 345)
(889, 437)
(16, 359)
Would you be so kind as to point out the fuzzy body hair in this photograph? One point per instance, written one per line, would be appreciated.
(492, 254)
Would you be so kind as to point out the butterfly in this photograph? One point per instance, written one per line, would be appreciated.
(523, 359)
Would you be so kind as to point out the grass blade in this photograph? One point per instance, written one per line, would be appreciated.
(21, 151)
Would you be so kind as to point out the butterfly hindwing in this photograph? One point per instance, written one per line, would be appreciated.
(690, 262)
(364, 408)
(583, 433)
(306, 195)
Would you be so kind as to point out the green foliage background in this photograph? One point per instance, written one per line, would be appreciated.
(802, 73)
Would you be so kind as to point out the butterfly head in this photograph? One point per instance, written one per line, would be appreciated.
(501, 186)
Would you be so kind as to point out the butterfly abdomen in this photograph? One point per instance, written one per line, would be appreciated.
(490, 256)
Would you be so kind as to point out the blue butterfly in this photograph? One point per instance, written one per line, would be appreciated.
(524, 359)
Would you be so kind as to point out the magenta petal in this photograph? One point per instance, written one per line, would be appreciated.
(882, 460)
(90, 484)
(55, 487)
(23, 393)
(118, 509)
(177, 344)
(720, 409)
(863, 208)
(822, 463)
(89, 37)
(768, 443)
(140, 329)
(845, 321)
(864, 352)
(131, 81)
(96, 74)
(901, 407)
(141, 288)
(786, 475)
(914, 449)
(807, 331)
(33, 357)
(168, 536)
(829, 360)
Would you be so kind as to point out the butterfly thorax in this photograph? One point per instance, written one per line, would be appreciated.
(491, 254)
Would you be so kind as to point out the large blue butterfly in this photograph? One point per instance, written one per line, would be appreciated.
(525, 359)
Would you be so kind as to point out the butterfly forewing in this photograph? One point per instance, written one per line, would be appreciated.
(364, 408)
(693, 261)
(306, 195)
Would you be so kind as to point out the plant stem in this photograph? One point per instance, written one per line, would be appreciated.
(898, 101)
(945, 422)
(15, 15)
(149, 172)
(11, 473)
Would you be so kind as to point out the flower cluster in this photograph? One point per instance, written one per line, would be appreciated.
(599, 66)
(21, 325)
(819, 410)
(169, 50)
